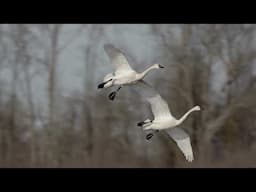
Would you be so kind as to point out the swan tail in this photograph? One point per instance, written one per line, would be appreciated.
(147, 121)
(147, 127)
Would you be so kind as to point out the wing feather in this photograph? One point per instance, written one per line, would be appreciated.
(182, 140)
(118, 59)
(159, 106)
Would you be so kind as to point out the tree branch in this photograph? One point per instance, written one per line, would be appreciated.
(240, 102)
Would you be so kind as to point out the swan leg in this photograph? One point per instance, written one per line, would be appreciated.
(118, 88)
(149, 136)
(112, 95)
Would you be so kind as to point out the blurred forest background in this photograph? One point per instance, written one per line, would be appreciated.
(53, 115)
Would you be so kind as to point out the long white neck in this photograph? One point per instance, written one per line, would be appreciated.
(186, 114)
(144, 73)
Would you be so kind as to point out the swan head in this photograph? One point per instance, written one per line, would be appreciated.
(107, 82)
(197, 108)
(158, 66)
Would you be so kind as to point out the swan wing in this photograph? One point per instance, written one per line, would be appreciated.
(118, 59)
(159, 106)
(182, 139)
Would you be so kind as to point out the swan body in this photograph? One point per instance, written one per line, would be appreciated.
(166, 123)
(163, 120)
(124, 74)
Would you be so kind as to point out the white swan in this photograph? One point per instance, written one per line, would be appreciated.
(124, 74)
(163, 119)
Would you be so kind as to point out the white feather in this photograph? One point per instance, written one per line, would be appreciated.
(118, 59)
(159, 107)
(183, 141)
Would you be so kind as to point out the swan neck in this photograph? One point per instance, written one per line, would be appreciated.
(144, 73)
(185, 116)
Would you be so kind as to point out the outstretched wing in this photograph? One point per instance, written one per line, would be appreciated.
(118, 59)
(183, 141)
(158, 105)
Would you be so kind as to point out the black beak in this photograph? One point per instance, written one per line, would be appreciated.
(100, 86)
(161, 66)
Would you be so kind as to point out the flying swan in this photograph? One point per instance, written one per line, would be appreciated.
(124, 74)
(163, 120)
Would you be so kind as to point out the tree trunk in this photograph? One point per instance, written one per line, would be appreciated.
(13, 101)
(52, 88)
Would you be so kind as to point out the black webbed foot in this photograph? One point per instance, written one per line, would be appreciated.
(119, 88)
(140, 124)
(112, 95)
(101, 86)
(149, 136)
